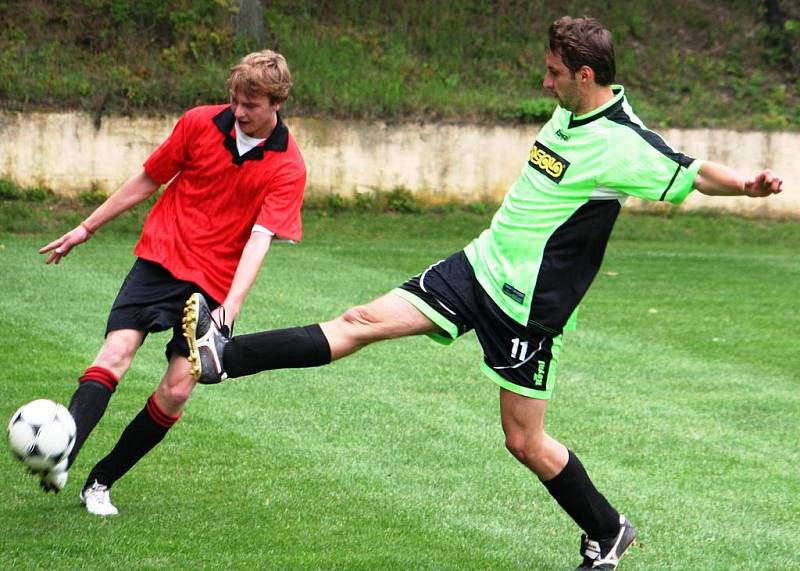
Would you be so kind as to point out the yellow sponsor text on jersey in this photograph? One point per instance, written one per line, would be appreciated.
(548, 162)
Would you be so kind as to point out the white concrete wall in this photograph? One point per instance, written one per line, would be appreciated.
(65, 152)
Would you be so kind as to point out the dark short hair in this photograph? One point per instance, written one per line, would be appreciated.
(584, 41)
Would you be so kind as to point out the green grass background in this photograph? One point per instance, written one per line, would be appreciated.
(679, 391)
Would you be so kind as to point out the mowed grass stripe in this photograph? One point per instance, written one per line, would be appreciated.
(394, 459)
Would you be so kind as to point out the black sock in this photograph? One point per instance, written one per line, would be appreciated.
(279, 349)
(88, 404)
(146, 430)
(575, 493)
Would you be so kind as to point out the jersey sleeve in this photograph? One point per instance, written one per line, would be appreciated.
(641, 164)
(280, 211)
(169, 158)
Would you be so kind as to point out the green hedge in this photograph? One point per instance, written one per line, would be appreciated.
(689, 63)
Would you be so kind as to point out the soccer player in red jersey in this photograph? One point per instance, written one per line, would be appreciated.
(237, 180)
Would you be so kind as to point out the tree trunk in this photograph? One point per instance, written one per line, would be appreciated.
(250, 23)
(776, 22)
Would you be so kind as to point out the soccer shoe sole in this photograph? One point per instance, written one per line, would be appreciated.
(189, 328)
(205, 353)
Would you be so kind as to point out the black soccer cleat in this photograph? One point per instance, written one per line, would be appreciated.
(604, 555)
(206, 341)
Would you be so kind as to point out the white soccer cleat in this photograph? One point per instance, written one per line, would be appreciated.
(54, 479)
(97, 499)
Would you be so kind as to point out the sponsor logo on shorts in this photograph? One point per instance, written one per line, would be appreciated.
(540, 376)
(548, 162)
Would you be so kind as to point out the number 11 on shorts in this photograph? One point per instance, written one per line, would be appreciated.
(519, 349)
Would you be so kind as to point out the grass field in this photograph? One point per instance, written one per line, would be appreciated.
(679, 391)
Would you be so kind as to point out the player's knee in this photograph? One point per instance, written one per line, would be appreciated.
(524, 448)
(361, 323)
(515, 446)
(359, 316)
(116, 354)
(175, 394)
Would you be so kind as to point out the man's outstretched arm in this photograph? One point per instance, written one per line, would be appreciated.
(136, 189)
(715, 179)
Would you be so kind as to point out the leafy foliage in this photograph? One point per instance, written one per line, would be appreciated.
(685, 63)
(9, 190)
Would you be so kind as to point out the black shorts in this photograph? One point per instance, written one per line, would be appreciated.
(519, 358)
(150, 300)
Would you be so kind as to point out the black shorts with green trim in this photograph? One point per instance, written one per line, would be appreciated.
(519, 358)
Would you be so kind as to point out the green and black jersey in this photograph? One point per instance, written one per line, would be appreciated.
(546, 242)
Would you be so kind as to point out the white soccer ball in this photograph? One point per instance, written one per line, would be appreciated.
(41, 434)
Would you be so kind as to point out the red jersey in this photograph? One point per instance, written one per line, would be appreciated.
(200, 224)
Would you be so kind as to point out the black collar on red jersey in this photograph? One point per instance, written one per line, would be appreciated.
(277, 141)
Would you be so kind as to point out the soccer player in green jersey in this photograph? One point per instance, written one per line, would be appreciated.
(518, 285)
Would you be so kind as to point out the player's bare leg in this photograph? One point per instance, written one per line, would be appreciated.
(90, 400)
(608, 534)
(523, 423)
(99, 381)
(387, 317)
(176, 386)
(148, 428)
(214, 357)
(118, 350)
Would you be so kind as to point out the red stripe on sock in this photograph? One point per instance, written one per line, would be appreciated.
(159, 416)
(100, 375)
